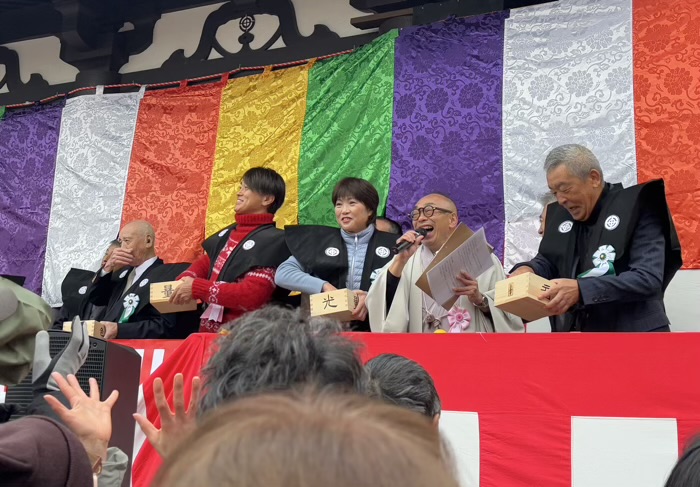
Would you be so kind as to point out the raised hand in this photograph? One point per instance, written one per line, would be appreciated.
(88, 417)
(174, 425)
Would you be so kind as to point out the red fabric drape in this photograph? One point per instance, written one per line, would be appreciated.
(667, 109)
(525, 389)
(171, 165)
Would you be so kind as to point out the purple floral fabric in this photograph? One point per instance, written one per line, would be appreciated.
(28, 144)
(447, 121)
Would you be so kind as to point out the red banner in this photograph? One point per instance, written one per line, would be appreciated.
(171, 164)
(523, 410)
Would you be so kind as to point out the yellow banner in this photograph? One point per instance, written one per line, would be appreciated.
(260, 124)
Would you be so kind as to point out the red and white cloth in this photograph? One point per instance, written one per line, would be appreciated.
(598, 410)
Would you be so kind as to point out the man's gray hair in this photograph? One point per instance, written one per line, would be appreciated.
(275, 349)
(578, 159)
(403, 382)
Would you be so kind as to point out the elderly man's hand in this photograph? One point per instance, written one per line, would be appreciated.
(469, 288)
(111, 329)
(563, 295)
(119, 258)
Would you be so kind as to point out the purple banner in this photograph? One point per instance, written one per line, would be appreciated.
(447, 121)
(28, 144)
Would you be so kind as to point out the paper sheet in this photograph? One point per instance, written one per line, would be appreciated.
(472, 256)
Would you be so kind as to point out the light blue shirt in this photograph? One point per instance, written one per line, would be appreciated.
(292, 275)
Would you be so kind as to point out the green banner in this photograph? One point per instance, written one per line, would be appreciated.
(2, 112)
(347, 128)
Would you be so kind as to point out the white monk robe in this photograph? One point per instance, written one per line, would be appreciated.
(413, 311)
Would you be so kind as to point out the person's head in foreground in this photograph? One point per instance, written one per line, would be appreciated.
(275, 349)
(437, 215)
(686, 473)
(356, 202)
(575, 178)
(262, 191)
(306, 439)
(38, 451)
(403, 382)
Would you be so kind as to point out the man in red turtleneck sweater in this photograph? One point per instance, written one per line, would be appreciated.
(237, 272)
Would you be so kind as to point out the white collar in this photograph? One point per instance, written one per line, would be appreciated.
(138, 271)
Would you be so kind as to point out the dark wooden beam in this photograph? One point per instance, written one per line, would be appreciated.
(195, 70)
(375, 21)
(29, 23)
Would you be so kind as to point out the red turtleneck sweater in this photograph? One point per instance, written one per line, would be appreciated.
(251, 291)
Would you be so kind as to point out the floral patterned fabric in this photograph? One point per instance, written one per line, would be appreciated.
(261, 122)
(28, 142)
(667, 109)
(347, 129)
(91, 169)
(447, 120)
(567, 79)
(171, 167)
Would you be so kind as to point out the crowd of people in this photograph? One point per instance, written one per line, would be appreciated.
(285, 399)
(609, 251)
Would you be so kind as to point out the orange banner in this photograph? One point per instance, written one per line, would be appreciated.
(667, 109)
(171, 165)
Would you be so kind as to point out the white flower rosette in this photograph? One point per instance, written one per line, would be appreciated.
(603, 259)
(605, 254)
(131, 302)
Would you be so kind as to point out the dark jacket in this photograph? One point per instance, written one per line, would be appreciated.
(146, 321)
(637, 223)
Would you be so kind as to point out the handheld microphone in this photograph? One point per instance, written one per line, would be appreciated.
(404, 245)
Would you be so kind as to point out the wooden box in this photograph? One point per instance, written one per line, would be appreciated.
(160, 296)
(95, 328)
(518, 295)
(337, 304)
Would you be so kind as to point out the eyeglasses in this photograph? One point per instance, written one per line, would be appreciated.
(427, 210)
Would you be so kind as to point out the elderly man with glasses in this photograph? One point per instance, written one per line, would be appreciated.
(397, 305)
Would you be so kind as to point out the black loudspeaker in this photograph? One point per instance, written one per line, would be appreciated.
(114, 367)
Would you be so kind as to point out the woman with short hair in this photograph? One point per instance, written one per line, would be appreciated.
(326, 258)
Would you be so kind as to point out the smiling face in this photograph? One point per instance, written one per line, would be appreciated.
(578, 196)
(249, 202)
(441, 224)
(352, 215)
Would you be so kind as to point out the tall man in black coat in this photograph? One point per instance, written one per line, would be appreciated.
(611, 251)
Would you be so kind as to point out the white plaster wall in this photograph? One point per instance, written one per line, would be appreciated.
(41, 56)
